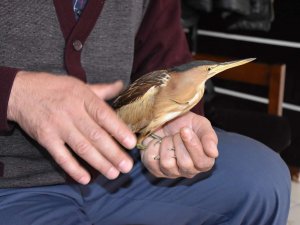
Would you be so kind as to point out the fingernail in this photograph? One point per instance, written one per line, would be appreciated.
(130, 142)
(187, 133)
(125, 166)
(112, 173)
(84, 180)
(213, 149)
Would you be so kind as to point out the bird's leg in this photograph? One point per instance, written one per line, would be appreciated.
(155, 136)
(139, 143)
(140, 140)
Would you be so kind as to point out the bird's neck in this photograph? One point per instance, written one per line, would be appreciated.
(186, 83)
(194, 79)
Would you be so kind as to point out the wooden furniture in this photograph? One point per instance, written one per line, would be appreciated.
(263, 74)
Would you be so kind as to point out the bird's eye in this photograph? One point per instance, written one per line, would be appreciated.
(208, 69)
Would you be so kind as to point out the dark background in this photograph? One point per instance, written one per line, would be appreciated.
(286, 26)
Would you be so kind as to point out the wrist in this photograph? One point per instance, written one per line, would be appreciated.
(13, 102)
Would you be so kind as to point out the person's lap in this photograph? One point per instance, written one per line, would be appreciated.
(249, 182)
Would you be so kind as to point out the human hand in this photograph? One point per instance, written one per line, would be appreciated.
(188, 147)
(61, 112)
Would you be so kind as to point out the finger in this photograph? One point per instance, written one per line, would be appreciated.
(104, 116)
(105, 144)
(209, 146)
(201, 161)
(107, 91)
(184, 161)
(83, 148)
(209, 139)
(67, 162)
(167, 162)
(150, 158)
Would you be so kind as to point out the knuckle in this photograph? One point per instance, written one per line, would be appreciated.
(170, 174)
(200, 166)
(206, 122)
(46, 128)
(122, 135)
(76, 173)
(187, 169)
(166, 165)
(158, 174)
(110, 172)
(82, 148)
(116, 157)
(191, 175)
(44, 133)
(95, 135)
(186, 172)
(204, 165)
(61, 160)
(194, 144)
(186, 165)
(101, 114)
(211, 136)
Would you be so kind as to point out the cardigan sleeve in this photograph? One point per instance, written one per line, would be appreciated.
(7, 76)
(160, 42)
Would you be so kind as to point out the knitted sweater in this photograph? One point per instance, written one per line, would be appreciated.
(113, 39)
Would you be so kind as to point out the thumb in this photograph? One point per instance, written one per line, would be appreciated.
(208, 141)
(107, 91)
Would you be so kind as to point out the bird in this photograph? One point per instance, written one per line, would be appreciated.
(163, 95)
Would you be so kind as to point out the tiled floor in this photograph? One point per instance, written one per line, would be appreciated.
(294, 216)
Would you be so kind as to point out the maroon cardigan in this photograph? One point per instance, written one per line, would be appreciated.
(160, 43)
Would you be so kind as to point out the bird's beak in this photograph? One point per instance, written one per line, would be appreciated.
(220, 67)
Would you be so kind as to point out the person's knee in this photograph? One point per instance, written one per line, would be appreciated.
(267, 194)
(261, 168)
(260, 179)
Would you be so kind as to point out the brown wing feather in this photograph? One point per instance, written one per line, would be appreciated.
(139, 87)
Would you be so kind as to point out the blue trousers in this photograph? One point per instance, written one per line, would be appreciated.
(249, 184)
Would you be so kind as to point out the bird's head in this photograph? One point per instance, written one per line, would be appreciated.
(202, 70)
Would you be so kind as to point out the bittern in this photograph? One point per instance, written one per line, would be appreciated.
(162, 95)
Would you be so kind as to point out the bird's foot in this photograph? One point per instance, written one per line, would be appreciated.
(140, 144)
(156, 137)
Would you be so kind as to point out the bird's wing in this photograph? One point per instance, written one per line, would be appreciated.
(139, 87)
